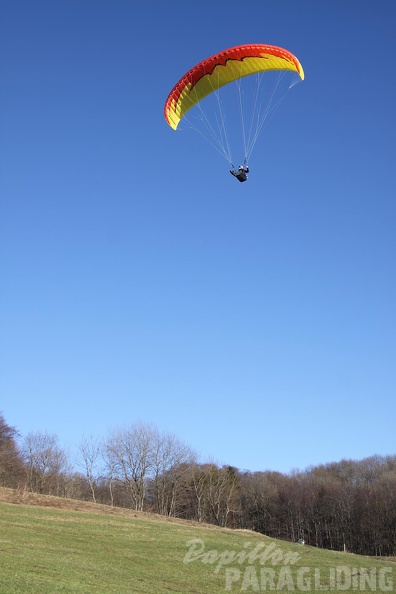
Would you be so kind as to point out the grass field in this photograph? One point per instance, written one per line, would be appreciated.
(50, 545)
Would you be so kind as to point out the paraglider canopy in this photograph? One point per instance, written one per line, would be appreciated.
(221, 69)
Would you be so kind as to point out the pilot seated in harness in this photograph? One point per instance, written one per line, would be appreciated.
(241, 174)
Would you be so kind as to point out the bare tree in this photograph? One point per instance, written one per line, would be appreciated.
(222, 493)
(11, 464)
(46, 463)
(131, 455)
(170, 461)
(90, 450)
(198, 491)
(110, 465)
(214, 494)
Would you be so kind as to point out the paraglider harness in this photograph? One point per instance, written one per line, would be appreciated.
(241, 173)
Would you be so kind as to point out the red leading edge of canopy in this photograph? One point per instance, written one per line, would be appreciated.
(235, 53)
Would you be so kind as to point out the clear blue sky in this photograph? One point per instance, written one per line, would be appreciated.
(141, 282)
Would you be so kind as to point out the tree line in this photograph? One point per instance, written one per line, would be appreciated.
(344, 506)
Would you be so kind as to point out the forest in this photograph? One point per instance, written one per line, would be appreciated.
(344, 506)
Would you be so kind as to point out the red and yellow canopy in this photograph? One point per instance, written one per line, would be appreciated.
(221, 69)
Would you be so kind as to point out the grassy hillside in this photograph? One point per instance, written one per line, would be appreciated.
(50, 545)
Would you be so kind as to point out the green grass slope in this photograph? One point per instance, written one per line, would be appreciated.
(50, 545)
